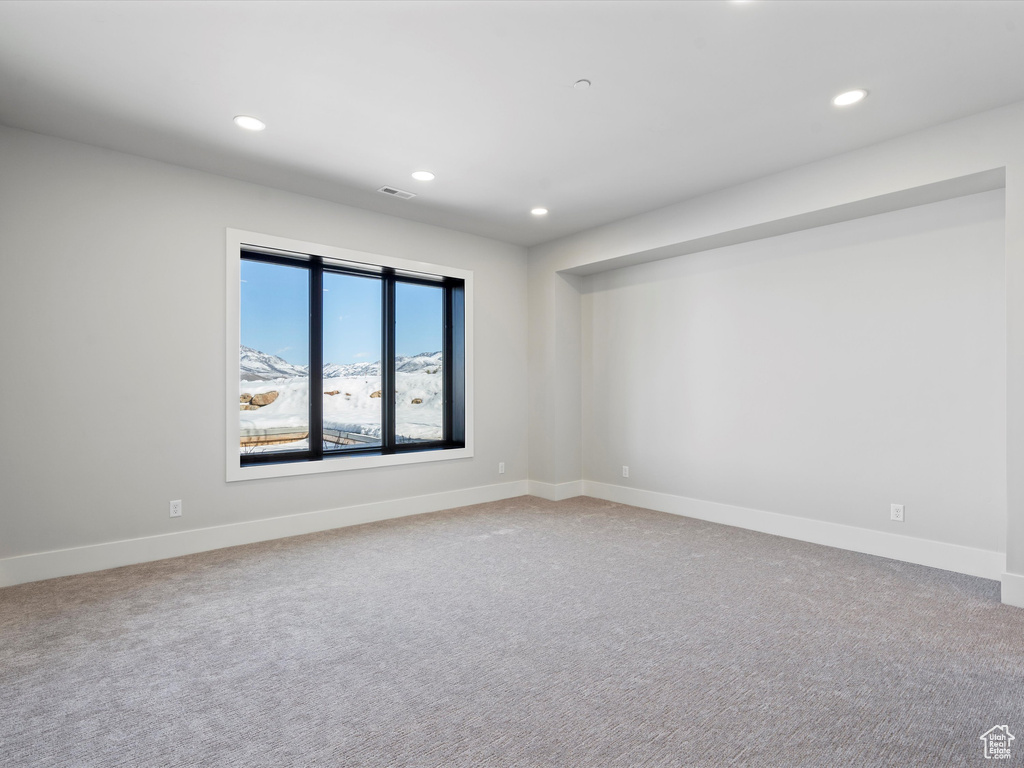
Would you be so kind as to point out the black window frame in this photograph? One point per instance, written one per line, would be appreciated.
(453, 367)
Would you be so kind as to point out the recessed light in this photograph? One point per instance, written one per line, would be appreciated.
(539, 211)
(581, 85)
(249, 123)
(423, 176)
(850, 97)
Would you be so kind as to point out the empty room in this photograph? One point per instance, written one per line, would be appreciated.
(511, 383)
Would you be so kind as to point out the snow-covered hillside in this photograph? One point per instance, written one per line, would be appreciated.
(254, 365)
(259, 366)
(348, 370)
(349, 405)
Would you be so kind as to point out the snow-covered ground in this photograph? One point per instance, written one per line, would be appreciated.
(352, 410)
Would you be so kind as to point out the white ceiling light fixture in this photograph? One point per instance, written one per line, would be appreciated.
(581, 85)
(539, 211)
(249, 123)
(423, 175)
(848, 98)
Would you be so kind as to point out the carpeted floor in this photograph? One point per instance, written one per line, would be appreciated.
(517, 633)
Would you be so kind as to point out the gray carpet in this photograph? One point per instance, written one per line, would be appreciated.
(518, 633)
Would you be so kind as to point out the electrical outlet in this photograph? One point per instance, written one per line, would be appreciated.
(176, 508)
(896, 512)
(625, 471)
(501, 467)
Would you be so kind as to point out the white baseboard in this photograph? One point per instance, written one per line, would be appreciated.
(936, 554)
(556, 491)
(951, 557)
(97, 557)
(1013, 589)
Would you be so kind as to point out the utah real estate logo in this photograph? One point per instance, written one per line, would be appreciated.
(997, 742)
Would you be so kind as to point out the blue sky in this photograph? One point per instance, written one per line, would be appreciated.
(275, 315)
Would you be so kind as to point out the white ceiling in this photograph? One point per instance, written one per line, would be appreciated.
(687, 97)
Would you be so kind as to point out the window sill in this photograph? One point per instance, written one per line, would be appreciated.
(237, 472)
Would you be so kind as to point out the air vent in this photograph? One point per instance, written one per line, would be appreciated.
(399, 193)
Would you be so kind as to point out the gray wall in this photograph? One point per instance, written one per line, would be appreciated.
(112, 305)
(975, 154)
(822, 374)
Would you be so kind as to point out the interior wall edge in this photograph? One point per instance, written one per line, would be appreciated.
(1013, 589)
(556, 491)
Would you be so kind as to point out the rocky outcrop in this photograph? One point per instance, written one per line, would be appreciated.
(417, 400)
(264, 398)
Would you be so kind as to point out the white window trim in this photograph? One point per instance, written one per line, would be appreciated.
(236, 239)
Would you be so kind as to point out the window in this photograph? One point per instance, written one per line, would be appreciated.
(343, 360)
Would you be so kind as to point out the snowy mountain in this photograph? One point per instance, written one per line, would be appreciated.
(254, 365)
(351, 370)
(259, 366)
(425, 361)
(420, 362)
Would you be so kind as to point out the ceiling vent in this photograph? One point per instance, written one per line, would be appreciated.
(399, 193)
